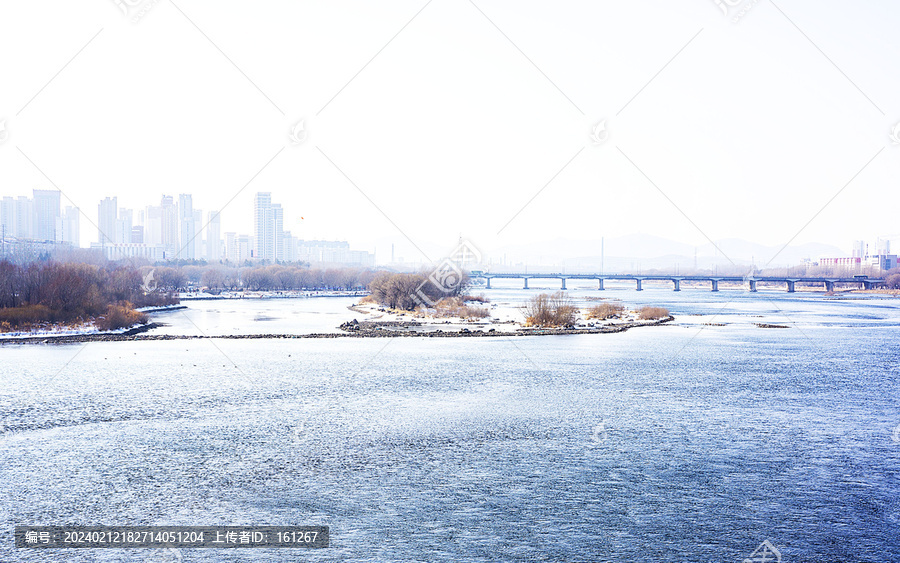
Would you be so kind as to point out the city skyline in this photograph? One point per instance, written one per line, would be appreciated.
(172, 230)
(176, 230)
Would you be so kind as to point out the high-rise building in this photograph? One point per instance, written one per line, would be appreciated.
(8, 216)
(245, 245)
(186, 231)
(859, 249)
(124, 223)
(268, 228)
(137, 234)
(278, 230)
(153, 230)
(24, 217)
(106, 221)
(169, 225)
(289, 246)
(198, 234)
(213, 241)
(238, 248)
(46, 216)
(231, 246)
(71, 226)
(264, 226)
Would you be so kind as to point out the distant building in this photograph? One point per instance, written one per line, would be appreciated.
(882, 261)
(107, 213)
(25, 218)
(881, 258)
(337, 252)
(268, 227)
(852, 263)
(213, 237)
(71, 226)
(198, 234)
(124, 223)
(289, 247)
(278, 230)
(8, 217)
(151, 252)
(186, 232)
(47, 221)
(169, 224)
(238, 248)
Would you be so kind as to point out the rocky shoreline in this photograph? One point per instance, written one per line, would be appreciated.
(366, 329)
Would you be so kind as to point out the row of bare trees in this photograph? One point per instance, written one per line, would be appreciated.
(278, 277)
(66, 292)
(275, 277)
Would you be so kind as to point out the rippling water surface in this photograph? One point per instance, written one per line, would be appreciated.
(684, 442)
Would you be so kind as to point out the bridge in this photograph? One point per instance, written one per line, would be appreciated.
(750, 282)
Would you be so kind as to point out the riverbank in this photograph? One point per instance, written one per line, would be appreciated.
(204, 296)
(136, 334)
(86, 330)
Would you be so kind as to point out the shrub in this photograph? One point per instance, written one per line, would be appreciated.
(550, 310)
(118, 316)
(19, 317)
(652, 313)
(408, 291)
(456, 307)
(605, 311)
(892, 281)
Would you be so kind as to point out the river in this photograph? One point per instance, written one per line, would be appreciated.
(692, 441)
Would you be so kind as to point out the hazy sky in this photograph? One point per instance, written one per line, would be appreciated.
(431, 120)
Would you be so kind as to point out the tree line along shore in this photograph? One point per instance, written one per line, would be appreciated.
(51, 295)
(40, 297)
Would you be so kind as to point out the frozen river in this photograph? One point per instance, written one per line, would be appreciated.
(693, 441)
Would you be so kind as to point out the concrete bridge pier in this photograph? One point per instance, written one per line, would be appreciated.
(715, 285)
(600, 280)
(526, 284)
(790, 284)
(753, 286)
(639, 288)
(677, 283)
(488, 283)
(829, 285)
(563, 284)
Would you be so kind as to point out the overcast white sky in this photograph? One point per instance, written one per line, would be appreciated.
(451, 126)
